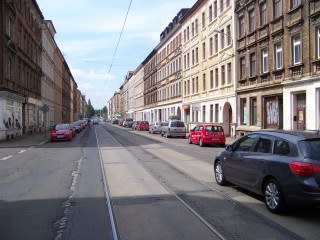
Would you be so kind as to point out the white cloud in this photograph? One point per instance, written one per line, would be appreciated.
(88, 33)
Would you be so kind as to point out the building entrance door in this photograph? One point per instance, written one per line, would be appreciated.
(301, 119)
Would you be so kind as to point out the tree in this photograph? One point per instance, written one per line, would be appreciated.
(90, 110)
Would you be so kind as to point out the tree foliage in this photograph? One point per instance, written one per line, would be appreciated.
(90, 110)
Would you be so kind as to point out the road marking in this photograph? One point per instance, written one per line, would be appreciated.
(6, 158)
(22, 151)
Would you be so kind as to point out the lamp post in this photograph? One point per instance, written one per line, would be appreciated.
(231, 55)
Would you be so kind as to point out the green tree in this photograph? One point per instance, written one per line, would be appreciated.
(90, 110)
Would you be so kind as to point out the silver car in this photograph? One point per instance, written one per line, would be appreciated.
(174, 128)
(155, 127)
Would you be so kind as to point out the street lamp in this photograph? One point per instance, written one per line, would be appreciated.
(216, 30)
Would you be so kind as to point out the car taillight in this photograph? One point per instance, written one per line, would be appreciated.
(53, 131)
(206, 133)
(304, 169)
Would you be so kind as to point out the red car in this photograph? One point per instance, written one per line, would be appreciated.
(210, 134)
(62, 131)
(143, 125)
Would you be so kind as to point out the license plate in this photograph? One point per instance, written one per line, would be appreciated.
(215, 139)
(60, 136)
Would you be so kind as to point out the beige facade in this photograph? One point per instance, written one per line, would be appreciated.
(58, 63)
(47, 84)
(208, 65)
(169, 72)
(138, 99)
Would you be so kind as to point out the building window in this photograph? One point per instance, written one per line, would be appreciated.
(242, 68)
(295, 3)
(9, 68)
(210, 13)
(253, 111)
(265, 65)
(278, 56)
(196, 26)
(211, 112)
(193, 86)
(222, 38)
(211, 46)
(277, 8)
(296, 50)
(203, 20)
(197, 55)
(204, 82)
(217, 77)
(264, 16)
(228, 35)
(192, 29)
(203, 50)
(229, 73)
(203, 113)
(192, 62)
(243, 111)
(318, 41)
(252, 64)
(251, 21)
(211, 79)
(221, 6)
(188, 60)
(216, 47)
(197, 84)
(223, 75)
(216, 115)
(188, 87)
(241, 27)
(215, 9)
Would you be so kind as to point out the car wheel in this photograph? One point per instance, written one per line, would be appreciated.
(273, 196)
(189, 140)
(166, 135)
(218, 172)
(201, 143)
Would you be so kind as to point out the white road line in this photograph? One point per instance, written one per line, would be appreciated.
(22, 151)
(6, 158)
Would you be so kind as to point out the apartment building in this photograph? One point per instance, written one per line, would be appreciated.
(150, 86)
(169, 71)
(47, 65)
(278, 74)
(58, 66)
(138, 98)
(208, 65)
(20, 82)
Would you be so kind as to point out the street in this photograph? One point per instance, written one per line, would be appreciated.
(112, 182)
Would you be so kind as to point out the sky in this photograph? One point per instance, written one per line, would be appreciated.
(88, 33)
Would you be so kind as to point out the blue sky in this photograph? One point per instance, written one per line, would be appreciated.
(88, 33)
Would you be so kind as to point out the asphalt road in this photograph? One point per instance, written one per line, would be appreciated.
(159, 188)
(53, 191)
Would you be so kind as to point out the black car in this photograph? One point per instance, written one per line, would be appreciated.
(282, 166)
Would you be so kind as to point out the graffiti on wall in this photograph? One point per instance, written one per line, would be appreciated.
(272, 112)
(12, 124)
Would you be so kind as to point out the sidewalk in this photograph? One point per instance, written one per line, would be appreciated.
(26, 140)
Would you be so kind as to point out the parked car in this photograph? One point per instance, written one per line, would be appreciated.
(174, 128)
(77, 125)
(134, 125)
(126, 122)
(86, 120)
(283, 167)
(115, 121)
(155, 127)
(143, 125)
(61, 132)
(207, 134)
(120, 122)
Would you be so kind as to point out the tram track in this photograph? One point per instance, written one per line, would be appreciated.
(199, 196)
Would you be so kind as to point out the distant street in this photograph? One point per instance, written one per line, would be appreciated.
(159, 188)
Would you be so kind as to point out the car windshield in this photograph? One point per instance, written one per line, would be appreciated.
(310, 148)
(62, 127)
(177, 124)
(214, 128)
